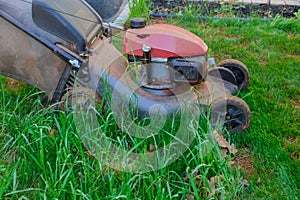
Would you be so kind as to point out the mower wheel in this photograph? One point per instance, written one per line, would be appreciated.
(232, 111)
(239, 70)
(223, 73)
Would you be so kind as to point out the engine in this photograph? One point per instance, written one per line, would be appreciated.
(166, 54)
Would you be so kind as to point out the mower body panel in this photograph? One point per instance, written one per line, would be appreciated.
(27, 59)
(166, 41)
(119, 81)
(80, 27)
(24, 58)
(109, 10)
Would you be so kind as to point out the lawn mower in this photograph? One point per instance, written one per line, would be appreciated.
(51, 44)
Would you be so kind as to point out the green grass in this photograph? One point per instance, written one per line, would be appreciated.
(272, 55)
(42, 155)
(139, 9)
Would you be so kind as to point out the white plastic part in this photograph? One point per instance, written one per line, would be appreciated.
(211, 62)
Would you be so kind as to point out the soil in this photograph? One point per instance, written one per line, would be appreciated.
(224, 9)
(296, 103)
(12, 84)
(243, 160)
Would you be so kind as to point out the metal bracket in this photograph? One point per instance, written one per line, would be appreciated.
(75, 63)
(61, 86)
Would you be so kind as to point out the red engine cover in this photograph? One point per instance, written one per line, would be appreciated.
(165, 41)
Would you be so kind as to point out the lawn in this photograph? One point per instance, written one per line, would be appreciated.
(42, 155)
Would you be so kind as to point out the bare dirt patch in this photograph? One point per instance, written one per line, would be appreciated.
(243, 160)
(12, 84)
(296, 103)
(291, 145)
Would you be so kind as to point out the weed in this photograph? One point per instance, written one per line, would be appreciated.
(290, 25)
(140, 8)
(43, 157)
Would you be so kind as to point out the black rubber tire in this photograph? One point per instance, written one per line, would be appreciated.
(234, 112)
(240, 71)
(223, 73)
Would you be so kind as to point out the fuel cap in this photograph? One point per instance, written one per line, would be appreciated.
(137, 23)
